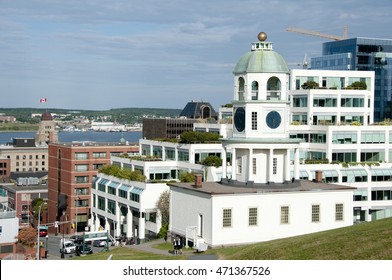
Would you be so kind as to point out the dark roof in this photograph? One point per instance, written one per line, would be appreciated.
(46, 116)
(195, 109)
(219, 188)
(38, 174)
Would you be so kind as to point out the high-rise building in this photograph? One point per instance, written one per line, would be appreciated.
(366, 54)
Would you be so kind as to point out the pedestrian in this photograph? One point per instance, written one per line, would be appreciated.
(179, 245)
(175, 246)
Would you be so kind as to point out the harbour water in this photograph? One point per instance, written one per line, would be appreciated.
(131, 137)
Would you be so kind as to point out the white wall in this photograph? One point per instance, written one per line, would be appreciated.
(269, 226)
(186, 206)
(9, 230)
(186, 209)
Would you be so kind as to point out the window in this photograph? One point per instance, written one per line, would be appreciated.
(81, 167)
(101, 203)
(339, 212)
(254, 120)
(254, 166)
(99, 155)
(111, 207)
(97, 166)
(274, 165)
(226, 221)
(315, 213)
(81, 179)
(81, 155)
(284, 214)
(300, 101)
(135, 197)
(253, 216)
(151, 217)
(122, 193)
(239, 165)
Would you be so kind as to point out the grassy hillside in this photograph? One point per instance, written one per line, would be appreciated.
(366, 241)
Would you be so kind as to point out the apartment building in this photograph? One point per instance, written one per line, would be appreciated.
(72, 169)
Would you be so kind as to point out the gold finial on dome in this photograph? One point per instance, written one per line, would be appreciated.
(262, 36)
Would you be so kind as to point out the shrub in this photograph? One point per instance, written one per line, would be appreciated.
(310, 85)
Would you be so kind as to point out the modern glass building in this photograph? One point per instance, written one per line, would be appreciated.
(368, 54)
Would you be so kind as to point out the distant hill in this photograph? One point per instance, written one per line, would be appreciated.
(121, 115)
(365, 241)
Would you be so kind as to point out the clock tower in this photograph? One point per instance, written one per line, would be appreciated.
(260, 144)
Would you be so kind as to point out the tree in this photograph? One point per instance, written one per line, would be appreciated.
(27, 236)
(163, 205)
(358, 85)
(116, 171)
(36, 204)
(212, 161)
(310, 85)
(197, 136)
(187, 177)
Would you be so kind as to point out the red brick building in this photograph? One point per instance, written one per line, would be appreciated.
(72, 169)
(5, 170)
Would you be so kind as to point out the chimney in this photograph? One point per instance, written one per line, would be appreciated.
(319, 176)
(198, 181)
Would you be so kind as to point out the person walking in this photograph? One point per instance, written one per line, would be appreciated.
(175, 246)
(179, 245)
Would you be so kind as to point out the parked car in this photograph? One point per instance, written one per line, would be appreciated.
(67, 246)
(83, 250)
(77, 239)
(43, 232)
(99, 243)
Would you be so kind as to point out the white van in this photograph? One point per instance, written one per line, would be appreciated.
(67, 246)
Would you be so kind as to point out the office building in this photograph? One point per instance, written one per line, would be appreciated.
(72, 169)
(363, 54)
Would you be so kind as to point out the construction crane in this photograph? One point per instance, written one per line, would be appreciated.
(318, 34)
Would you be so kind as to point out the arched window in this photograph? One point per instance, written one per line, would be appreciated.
(241, 88)
(206, 112)
(255, 90)
(273, 89)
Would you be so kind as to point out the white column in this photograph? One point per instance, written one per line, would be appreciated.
(97, 223)
(129, 224)
(224, 163)
(287, 165)
(296, 164)
(118, 219)
(250, 165)
(233, 165)
(142, 227)
(107, 225)
(270, 165)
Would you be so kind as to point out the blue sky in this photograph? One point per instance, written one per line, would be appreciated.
(98, 54)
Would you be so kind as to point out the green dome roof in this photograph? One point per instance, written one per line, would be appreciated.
(261, 61)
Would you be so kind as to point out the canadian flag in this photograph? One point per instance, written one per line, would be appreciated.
(42, 100)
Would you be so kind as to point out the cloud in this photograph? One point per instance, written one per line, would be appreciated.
(139, 51)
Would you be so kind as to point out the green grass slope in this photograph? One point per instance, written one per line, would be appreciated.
(365, 241)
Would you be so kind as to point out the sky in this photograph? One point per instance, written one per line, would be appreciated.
(99, 54)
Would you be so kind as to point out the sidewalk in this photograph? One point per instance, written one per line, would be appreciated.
(147, 247)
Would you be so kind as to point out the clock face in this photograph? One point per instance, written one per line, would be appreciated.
(239, 119)
(273, 119)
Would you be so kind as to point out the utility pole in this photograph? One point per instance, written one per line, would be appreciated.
(38, 229)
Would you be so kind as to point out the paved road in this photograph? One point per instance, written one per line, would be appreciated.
(54, 251)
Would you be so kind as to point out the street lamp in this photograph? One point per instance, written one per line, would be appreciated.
(38, 227)
(62, 249)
